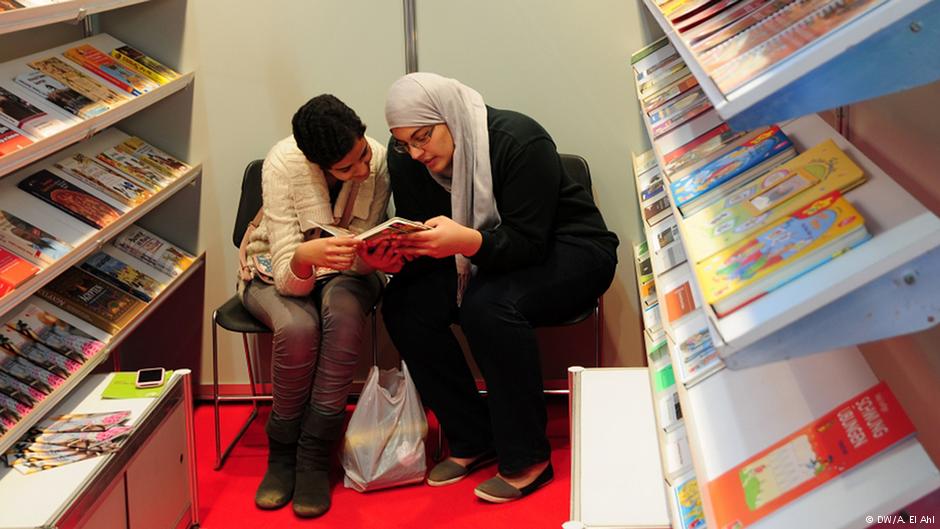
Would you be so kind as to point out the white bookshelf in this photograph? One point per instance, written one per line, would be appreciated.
(813, 78)
(57, 11)
(80, 129)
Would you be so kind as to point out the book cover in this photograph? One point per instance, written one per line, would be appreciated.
(19, 113)
(669, 409)
(688, 132)
(657, 352)
(105, 180)
(712, 10)
(13, 271)
(56, 334)
(28, 372)
(668, 258)
(128, 278)
(663, 80)
(653, 102)
(648, 49)
(644, 162)
(91, 299)
(654, 190)
(19, 390)
(689, 504)
(60, 95)
(37, 353)
(154, 251)
(138, 61)
(762, 9)
(29, 241)
(76, 80)
(663, 379)
(722, 20)
(12, 141)
(645, 269)
(657, 211)
(648, 293)
(69, 198)
(678, 111)
(654, 69)
(771, 255)
(105, 66)
(679, 302)
(129, 165)
(814, 173)
(703, 149)
(153, 157)
(695, 349)
(842, 439)
(390, 228)
(736, 162)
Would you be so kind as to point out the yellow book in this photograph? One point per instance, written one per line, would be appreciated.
(794, 245)
(818, 171)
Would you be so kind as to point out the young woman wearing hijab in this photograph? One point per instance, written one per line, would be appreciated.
(326, 173)
(515, 244)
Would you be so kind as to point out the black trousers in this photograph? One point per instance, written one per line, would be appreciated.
(498, 316)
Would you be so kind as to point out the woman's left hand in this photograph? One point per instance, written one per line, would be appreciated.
(445, 238)
(381, 255)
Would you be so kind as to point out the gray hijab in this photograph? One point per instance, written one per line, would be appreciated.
(421, 99)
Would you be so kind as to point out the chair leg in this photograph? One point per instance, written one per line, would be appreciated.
(222, 455)
(597, 334)
(215, 393)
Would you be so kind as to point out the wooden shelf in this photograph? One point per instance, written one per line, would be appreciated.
(62, 11)
(888, 49)
(80, 129)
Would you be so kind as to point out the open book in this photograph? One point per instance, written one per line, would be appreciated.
(392, 226)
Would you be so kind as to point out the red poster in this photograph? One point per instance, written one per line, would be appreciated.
(843, 438)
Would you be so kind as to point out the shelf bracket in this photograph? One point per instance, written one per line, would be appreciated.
(903, 301)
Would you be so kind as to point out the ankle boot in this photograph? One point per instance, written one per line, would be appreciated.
(277, 486)
(318, 437)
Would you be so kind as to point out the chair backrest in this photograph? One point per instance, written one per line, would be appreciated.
(577, 168)
(250, 200)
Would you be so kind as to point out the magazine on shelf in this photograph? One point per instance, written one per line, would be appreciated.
(657, 351)
(92, 299)
(652, 321)
(78, 81)
(37, 353)
(699, 150)
(663, 80)
(29, 241)
(12, 141)
(678, 111)
(654, 190)
(50, 330)
(153, 157)
(677, 455)
(60, 95)
(28, 372)
(109, 183)
(663, 378)
(696, 352)
(736, 167)
(123, 275)
(795, 244)
(687, 132)
(71, 199)
(657, 211)
(20, 390)
(649, 49)
(656, 69)
(655, 57)
(653, 102)
(668, 409)
(154, 251)
(14, 270)
(847, 436)
(12, 410)
(24, 116)
(144, 64)
(645, 269)
(107, 68)
(648, 293)
(762, 9)
(644, 162)
(711, 10)
(666, 251)
(724, 19)
(131, 166)
(814, 173)
(689, 503)
(788, 41)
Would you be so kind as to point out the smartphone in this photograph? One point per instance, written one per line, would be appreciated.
(152, 377)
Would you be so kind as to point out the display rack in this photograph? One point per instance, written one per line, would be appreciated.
(886, 287)
(85, 128)
(61, 11)
(889, 49)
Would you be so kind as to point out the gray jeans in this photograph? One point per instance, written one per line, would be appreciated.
(316, 340)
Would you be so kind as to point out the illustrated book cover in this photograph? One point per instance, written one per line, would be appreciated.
(154, 251)
(107, 181)
(106, 67)
(56, 334)
(128, 278)
(69, 198)
(92, 299)
(29, 241)
(61, 95)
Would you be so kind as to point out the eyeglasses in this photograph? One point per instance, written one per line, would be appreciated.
(418, 141)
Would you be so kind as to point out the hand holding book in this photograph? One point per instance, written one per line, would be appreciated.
(445, 237)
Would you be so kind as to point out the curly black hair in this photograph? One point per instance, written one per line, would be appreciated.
(325, 130)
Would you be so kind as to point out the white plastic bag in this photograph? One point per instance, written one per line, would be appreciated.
(384, 445)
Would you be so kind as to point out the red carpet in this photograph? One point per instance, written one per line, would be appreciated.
(226, 496)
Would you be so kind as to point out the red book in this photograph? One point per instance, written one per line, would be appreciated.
(840, 440)
(11, 141)
(679, 302)
(13, 271)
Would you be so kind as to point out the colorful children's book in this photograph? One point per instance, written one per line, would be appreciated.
(105, 180)
(735, 168)
(105, 66)
(128, 278)
(694, 348)
(21, 114)
(788, 248)
(13, 271)
(154, 251)
(812, 174)
(91, 299)
(69, 198)
(146, 65)
(689, 504)
(699, 149)
(842, 439)
(60, 95)
(29, 241)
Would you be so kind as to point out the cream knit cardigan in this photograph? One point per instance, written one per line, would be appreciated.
(297, 200)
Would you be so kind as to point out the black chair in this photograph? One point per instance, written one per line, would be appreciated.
(232, 316)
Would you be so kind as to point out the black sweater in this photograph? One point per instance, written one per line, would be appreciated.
(537, 200)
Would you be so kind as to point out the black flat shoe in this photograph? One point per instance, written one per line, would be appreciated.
(447, 471)
(498, 490)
